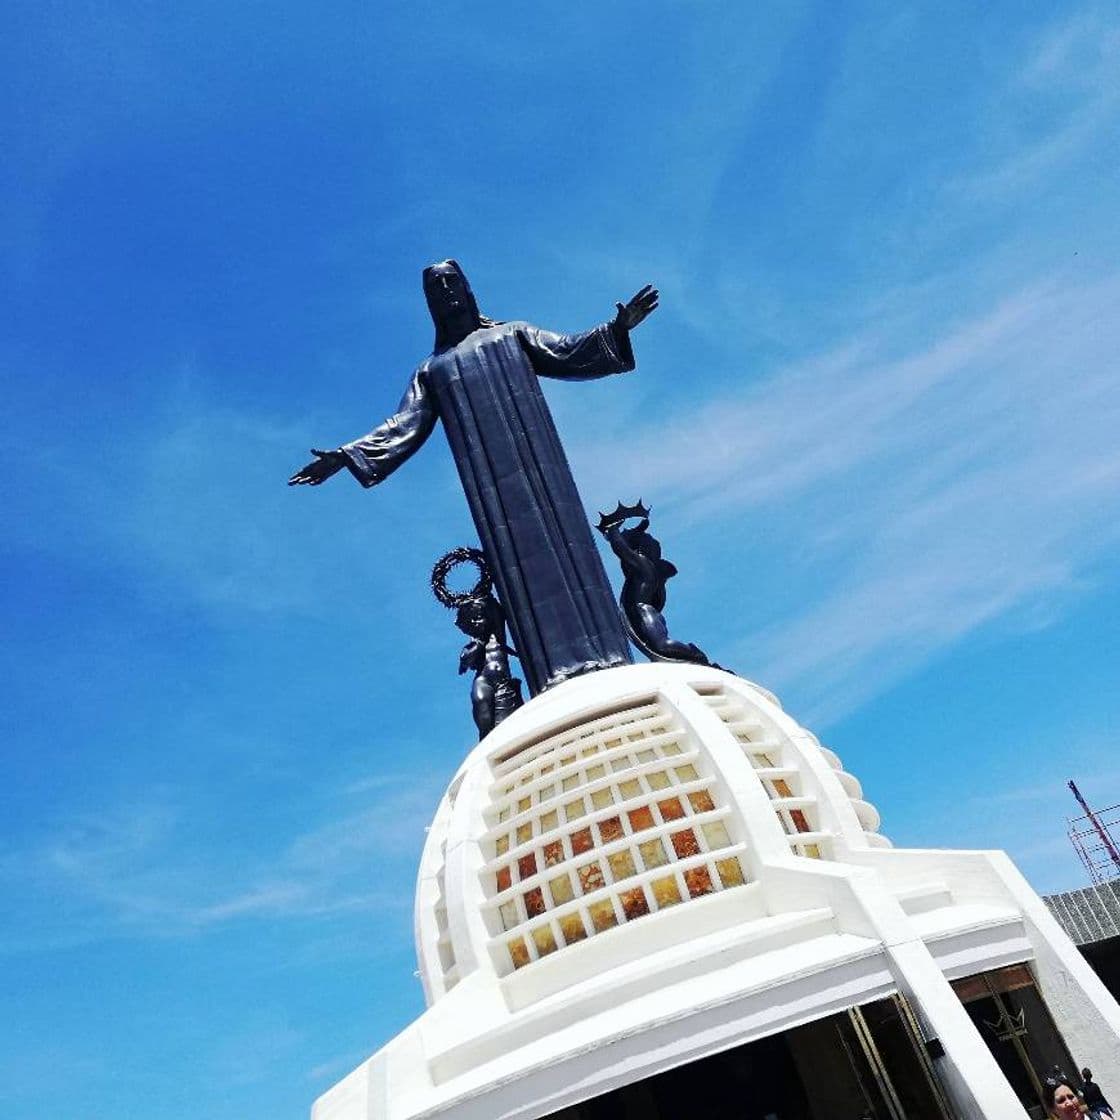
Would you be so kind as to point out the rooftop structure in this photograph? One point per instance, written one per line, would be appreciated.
(1090, 914)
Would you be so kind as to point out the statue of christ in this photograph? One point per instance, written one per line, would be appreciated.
(481, 381)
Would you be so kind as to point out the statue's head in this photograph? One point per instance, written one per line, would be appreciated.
(642, 543)
(451, 302)
(480, 617)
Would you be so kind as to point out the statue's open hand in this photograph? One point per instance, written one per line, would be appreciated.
(319, 469)
(631, 314)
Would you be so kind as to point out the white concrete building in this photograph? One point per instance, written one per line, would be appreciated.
(650, 893)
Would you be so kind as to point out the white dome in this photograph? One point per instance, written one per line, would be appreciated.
(584, 825)
(653, 864)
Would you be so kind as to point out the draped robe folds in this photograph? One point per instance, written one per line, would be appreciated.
(531, 522)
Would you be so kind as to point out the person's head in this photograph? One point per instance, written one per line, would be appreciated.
(1065, 1104)
(1086, 1074)
(451, 302)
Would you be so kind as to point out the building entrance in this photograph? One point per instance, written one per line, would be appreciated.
(864, 1064)
(1010, 1015)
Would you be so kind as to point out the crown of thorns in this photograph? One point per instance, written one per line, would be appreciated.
(621, 513)
(446, 564)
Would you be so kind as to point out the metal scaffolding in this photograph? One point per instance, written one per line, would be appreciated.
(1096, 838)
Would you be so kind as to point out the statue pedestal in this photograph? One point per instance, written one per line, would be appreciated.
(653, 865)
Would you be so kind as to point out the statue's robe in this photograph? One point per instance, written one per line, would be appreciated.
(528, 513)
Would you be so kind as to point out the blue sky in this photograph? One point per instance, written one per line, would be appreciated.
(875, 415)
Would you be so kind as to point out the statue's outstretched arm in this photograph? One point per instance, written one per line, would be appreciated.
(325, 464)
(640, 306)
(376, 455)
(599, 352)
(618, 544)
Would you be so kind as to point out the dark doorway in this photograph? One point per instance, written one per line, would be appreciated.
(1009, 1013)
(1104, 956)
(865, 1064)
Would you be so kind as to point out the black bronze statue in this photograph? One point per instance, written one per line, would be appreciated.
(495, 692)
(645, 574)
(481, 381)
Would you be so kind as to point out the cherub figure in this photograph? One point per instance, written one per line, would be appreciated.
(645, 574)
(495, 692)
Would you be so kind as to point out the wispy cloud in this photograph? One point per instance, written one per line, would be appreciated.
(1067, 90)
(334, 1068)
(148, 871)
(1027, 821)
(193, 505)
(931, 489)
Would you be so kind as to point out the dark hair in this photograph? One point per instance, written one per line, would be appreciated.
(1086, 1074)
(1052, 1087)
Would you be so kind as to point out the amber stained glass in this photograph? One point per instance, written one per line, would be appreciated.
(534, 902)
(502, 879)
(544, 941)
(574, 809)
(665, 892)
(640, 818)
(622, 865)
(553, 853)
(602, 915)
(571, 926)
(561, 890)
(671, 809)
(602, 798)
(701, 801)
(698, 881)
(653, 854)
(526, 866)
(730, 872)
(518, 952)
(610, 829)
(582, 841)
(591, 877)
(685, 843)
(634, 903)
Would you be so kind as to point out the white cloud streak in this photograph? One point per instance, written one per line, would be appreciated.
(931, 489)
(146, 871)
